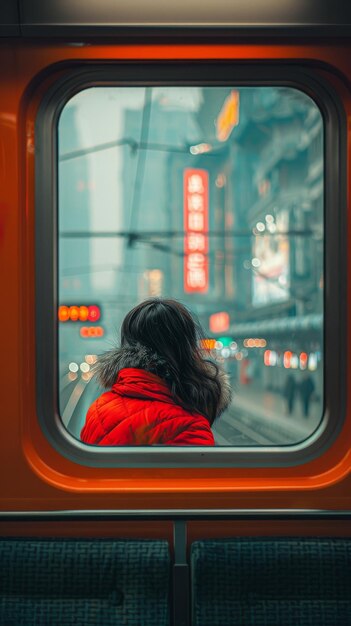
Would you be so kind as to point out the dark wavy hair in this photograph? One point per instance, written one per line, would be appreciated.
(173, 333)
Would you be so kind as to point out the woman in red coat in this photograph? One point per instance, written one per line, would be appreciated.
(161, 389)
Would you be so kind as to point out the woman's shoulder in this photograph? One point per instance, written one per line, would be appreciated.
(182, 426)
(98, 416)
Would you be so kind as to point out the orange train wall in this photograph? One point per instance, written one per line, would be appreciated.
(34, 476)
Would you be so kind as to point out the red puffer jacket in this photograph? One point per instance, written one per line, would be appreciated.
(139, 410)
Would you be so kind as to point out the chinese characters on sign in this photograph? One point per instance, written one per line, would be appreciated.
(196, 230)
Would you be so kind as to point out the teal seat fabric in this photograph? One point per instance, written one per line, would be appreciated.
(84, 582)
(271, 582)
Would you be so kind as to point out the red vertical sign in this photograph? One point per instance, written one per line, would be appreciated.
(196, 229)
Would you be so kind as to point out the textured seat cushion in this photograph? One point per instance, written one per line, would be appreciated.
(272, 582)
(84, 582)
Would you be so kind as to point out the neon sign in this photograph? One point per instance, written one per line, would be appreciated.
(79, 313)
(228, 117)
(219, 322)
(196, 228)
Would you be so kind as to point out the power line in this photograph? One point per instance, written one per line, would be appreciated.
(144, 235)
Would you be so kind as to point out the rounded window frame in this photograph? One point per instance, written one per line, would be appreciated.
(301, 77)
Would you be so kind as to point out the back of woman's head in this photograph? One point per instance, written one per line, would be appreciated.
(165, 326)
(164, 336)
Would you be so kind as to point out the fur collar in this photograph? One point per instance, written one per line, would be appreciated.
(138, 356)
(142, 357)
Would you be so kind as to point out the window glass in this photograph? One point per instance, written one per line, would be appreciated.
(212, 196)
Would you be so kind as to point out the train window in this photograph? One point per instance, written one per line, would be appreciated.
(214, 196)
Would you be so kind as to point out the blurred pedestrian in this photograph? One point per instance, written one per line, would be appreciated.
(307, 388)
(289, 393)
(161, 390)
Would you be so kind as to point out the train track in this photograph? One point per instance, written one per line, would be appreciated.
(241, 427)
